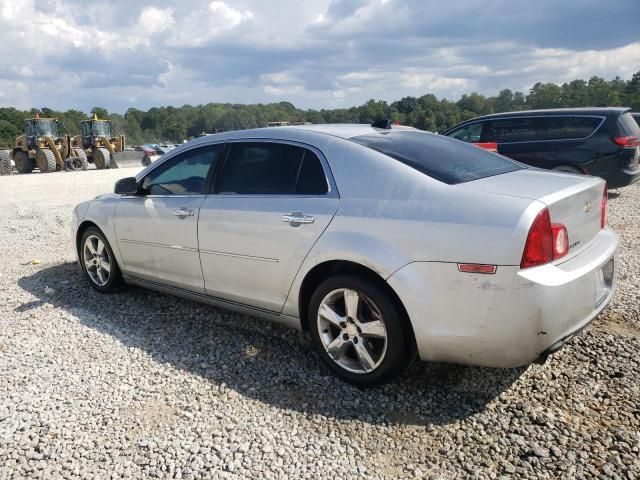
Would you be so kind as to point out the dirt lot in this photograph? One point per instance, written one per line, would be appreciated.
(139, 384)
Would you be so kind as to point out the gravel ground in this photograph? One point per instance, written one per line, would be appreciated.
(139, 384)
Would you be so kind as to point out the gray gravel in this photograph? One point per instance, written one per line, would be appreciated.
(139, 384)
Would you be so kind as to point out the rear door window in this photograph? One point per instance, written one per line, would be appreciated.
(438, 156)
(516, 129)
(565, 128)
(468, 133)
(267, 168)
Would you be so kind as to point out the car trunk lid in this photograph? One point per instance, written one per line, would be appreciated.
(573, 200)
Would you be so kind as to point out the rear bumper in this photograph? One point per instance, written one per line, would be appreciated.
(508, 319)
(622, 178)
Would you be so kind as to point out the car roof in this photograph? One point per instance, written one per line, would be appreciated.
(345, 130)
(599, 111)
(301, 133)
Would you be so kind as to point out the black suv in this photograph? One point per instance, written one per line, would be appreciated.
(596, 141)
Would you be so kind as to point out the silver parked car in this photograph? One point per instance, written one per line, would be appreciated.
(385, 244)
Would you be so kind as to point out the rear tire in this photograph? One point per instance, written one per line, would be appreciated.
(568, 169)
(5, 163)
(98, 262)
(24, 164)
(101, 158)
(356, 320)
(46, 160)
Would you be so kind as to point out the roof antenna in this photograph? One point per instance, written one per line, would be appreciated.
(383, 123)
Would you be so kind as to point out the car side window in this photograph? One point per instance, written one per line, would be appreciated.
(564, 128)
(184, 174)
(266, 168)
(516, 129)
(468, 133)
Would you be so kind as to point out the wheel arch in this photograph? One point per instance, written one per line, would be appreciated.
(83, 227)
(324, 270)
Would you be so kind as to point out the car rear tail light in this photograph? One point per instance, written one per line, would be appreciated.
(546, 242)
(627, 142)
(603, 208)
(539, 247)
(491, 146)
(477, 268)
(560, 240)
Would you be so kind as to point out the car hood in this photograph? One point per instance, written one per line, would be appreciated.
(106, 196)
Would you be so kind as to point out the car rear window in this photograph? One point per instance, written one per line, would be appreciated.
(450, 161)
(627, 126)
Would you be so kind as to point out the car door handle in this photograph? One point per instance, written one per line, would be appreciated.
(183, 213)
(296, 218)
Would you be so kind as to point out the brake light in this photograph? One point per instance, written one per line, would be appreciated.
(546, 242)
(603, 208)
(539, 247)
(491, 146)
(627, 142)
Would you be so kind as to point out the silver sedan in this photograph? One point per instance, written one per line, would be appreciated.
(385, 244)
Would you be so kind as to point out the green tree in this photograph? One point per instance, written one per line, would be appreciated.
(632, 92)
(504, 101)
(102, 113)
(545, 95)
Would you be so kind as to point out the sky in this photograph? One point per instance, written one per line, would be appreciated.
(79, 54)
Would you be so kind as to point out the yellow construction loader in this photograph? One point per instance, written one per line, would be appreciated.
(42, 146)
(101, 147)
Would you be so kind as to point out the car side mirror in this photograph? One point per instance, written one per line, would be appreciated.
(127, 186)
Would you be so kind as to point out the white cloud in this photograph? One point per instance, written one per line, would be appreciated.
(203, 25)
(326, 53)
(154, 20)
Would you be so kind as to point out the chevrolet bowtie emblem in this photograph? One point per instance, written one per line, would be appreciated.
(587, 207)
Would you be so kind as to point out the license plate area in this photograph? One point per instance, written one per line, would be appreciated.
(604, 281)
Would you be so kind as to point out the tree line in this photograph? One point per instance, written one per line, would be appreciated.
(173, 124)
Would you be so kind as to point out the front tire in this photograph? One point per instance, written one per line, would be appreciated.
(46, 160)
(358, 331)
(98, 261)
(101, 158)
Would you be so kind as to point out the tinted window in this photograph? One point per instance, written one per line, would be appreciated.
(508, 130)
(312, 180)
(571, 127)
(627, 126)
(184, 174)
(468, 133)
(438, 156)
(636, 117)
(272, 169)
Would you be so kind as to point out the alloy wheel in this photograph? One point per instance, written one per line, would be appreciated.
(352, 330)
(97, 261)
